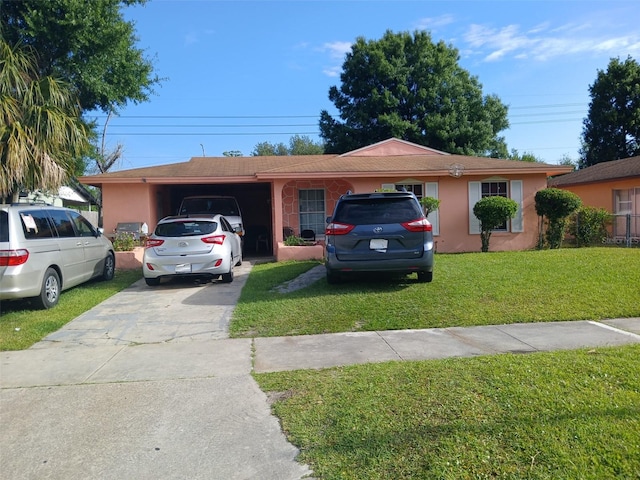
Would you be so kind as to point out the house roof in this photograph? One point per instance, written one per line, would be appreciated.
(600, 172)
(375, 160)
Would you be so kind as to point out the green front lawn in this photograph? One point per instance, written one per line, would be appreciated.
(467, 289)
(561, 415)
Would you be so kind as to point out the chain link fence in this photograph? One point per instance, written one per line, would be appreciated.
(625, 231)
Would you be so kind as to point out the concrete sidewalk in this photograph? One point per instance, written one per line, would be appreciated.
(148, 385)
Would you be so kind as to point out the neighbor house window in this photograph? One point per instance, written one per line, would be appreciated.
(312, 210)
(626, 202)
(491, 188)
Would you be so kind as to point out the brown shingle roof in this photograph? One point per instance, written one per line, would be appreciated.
(613, 170)
(251, 168)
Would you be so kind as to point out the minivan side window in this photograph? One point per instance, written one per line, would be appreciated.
(35, 224)
(4, 226)
(63, 223)
(83, 226)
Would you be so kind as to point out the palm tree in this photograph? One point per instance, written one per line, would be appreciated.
(41, 133)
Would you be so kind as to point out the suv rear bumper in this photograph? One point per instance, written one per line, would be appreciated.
(404, 265)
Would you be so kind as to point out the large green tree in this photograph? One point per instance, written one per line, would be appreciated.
(41, 135)
(298, 145)
(611, 130)
(89, 45)
(86, 43)
(406, 86)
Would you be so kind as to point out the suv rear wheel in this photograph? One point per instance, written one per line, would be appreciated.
(425, 277)
(332, 277)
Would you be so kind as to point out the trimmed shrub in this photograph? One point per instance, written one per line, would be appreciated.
(589, 226)
(556, 205)
(493, 212)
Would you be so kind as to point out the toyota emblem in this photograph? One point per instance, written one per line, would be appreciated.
(377, 230)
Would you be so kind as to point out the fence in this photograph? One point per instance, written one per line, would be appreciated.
(625, 231)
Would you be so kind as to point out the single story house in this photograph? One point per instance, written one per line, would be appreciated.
(295, 193)
(614, 186)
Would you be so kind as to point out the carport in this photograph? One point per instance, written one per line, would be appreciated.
(254, 200)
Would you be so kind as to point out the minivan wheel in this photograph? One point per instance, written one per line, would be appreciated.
(109, 267)
(50, 291)
(425, 277)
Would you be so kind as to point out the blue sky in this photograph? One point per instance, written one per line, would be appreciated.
(237, 73)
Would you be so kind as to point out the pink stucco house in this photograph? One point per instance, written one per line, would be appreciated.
(614, 186)
(299, 192)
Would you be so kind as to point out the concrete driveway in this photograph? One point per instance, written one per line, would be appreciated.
(145, 385)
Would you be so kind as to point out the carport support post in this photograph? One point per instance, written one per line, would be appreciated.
(276, 202)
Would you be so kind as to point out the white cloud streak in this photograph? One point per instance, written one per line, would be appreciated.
(542, 42)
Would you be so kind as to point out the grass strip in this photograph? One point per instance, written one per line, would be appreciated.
(571, 414)
(468, 289)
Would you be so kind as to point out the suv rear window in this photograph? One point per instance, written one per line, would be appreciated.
(377, 210)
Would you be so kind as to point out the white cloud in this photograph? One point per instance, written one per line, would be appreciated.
(332, 71)
(432, 23)
(337, 50)
(543, 43)
(191, 38)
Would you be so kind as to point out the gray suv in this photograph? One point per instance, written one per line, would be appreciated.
(46, 249)
(379, 232)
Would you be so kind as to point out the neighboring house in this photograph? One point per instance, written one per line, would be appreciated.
(614, 186)
(295, 193)
(77, 198)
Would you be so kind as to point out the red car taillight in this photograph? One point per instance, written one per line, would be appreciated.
(153, 242)
(338, 228)
(13, 258)
(419, 225)
(216, 239)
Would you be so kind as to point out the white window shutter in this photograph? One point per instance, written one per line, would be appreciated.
(431, 190)
(517, 222)
(475, 194)
(388, 186)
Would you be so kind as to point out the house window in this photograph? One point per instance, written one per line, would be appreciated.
(312, 211)
(428, 189)
(416, 188)
(623, 201)
(510, 189)
(496, 189)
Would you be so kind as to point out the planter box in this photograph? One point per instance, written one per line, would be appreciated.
(305, 252)
(130, 260)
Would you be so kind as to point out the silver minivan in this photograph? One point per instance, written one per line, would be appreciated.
(45, 250)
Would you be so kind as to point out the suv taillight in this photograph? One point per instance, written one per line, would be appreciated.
(338, 228)
(419, 225)
(13, 258)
